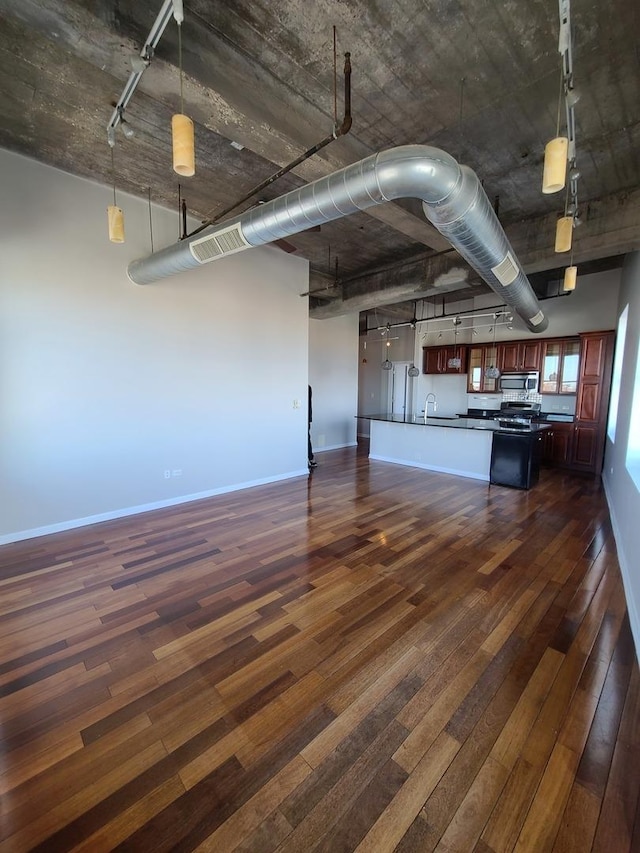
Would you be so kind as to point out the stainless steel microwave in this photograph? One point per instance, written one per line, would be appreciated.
(525, 382)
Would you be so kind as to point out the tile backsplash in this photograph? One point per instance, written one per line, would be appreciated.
(528, 396)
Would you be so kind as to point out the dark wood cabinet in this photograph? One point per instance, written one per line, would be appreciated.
(519, 355)
(580, 445)
(592, 402)
(559, 366)
(431, 359)
(448, 359)
(585, 448)
(481, 357)
(558, 445)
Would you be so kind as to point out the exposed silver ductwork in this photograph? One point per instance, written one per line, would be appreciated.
(453, 201)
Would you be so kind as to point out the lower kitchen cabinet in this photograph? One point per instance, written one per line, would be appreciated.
(586, 447)
(558, 445)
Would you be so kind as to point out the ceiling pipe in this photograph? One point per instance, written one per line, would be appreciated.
(338, 130)
(452, 199)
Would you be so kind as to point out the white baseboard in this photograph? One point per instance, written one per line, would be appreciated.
(471, 475)
(625, 571)
(334, 447)
(71, 524)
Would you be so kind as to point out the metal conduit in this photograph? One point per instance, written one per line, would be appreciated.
(453, 201)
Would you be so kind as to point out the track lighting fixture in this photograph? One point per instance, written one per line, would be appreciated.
(128, 131)
(572, 97)
(139, 63)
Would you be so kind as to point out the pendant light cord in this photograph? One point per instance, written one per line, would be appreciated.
(150, 222)
(180, 66)
(113, 175)
(335, 81)
(560, 100)
(462, 80)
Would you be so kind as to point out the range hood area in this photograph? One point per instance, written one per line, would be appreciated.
(453, 200)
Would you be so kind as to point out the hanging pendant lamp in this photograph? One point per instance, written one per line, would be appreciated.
(570, 276)
(182, 130)
(554, 174)
(115, 216)
(492, 371)
(564, 233)
(556, 151)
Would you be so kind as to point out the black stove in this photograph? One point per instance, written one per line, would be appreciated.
(484, 414)
(518, 415)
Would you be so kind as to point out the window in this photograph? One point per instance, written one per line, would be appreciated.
(633, 447)
(617, 374)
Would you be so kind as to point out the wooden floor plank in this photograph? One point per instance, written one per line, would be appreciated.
(377, 658)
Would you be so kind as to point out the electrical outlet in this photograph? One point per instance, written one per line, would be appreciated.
(167, 474)
(296, 404)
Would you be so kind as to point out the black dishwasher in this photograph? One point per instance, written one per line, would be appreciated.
(515, 458)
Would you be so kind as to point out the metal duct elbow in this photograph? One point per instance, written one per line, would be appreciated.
(453, 201)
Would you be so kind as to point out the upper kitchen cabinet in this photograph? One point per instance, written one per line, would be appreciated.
(481, 357)
(560, 364)
(519, 355)
(449, 359)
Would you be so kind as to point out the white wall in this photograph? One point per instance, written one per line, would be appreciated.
(591, 307)
(333, 375)
(106, 385)
(374, 384)
(622, 493)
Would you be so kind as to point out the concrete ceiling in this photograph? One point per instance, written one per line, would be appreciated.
(477, 78)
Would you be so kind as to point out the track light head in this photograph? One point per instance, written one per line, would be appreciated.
(128, 131)
(573, 96)
(139, 64)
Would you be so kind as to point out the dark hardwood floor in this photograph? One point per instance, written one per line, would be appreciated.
(376, 659)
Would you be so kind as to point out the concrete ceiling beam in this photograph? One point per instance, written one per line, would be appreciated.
(610, 227)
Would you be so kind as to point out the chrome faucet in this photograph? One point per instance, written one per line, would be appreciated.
(431, 398)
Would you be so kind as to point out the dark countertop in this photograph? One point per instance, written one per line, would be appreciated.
(543, 417)
(455, 423)
(553, 418)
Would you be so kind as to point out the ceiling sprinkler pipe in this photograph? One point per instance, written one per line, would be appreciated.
(453, 201)
(339, 130)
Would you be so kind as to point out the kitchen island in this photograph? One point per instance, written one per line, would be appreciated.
(460, 446)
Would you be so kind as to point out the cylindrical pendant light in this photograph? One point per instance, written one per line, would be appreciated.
(564, 233)
(184, 153)
(184, 158)
(555, 165)
(115, 216)
(116, 223)
(570, 275)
